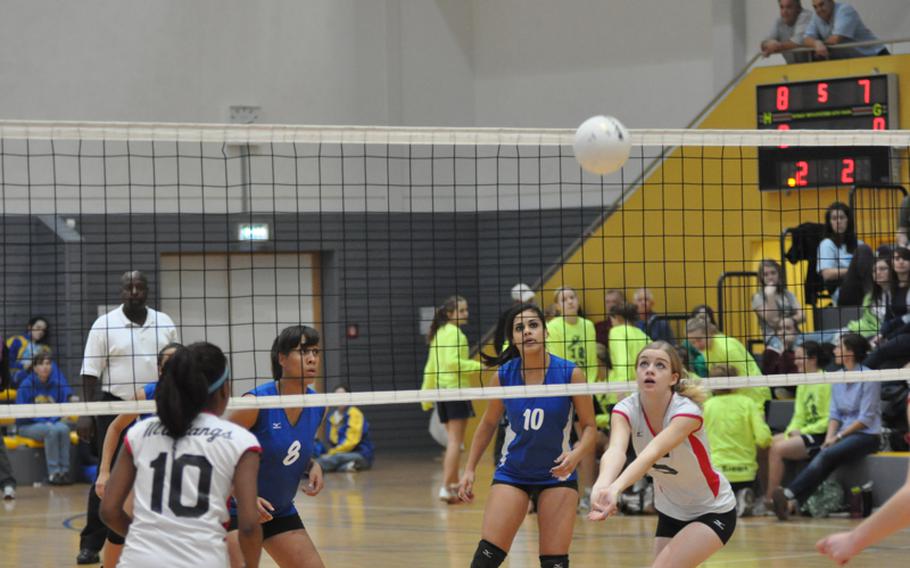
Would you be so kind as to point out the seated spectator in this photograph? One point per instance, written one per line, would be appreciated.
(787, 32)
(876, 306)
(626, 340)
(859, 277)
(835, 251)
(893, 339)
(696, 361)
(876, 302)
(602, 328)
(656, 327)
(570, 335)
(22, 348)
(720, 349)
(902, 239)
(348, 440)
(805, 434)
(835, 23)
(736, 428)
(777, 308)
(41, 385)
(780, 358)
(854, 427)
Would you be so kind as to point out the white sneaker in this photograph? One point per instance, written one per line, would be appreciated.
(449, 495)
(9, 493)
(584, 505)
(348, 467)
(745, 500)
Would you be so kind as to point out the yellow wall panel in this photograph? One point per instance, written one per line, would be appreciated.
(700, 213)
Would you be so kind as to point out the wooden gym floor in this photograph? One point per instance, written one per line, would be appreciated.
(389, 517)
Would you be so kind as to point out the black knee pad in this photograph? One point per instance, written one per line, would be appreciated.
(488, 555)
(114, 538)
(554, 561)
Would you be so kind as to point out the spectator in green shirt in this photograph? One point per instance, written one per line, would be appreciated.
(720, 349)
(626, 341)
(804, 436)
(449, 366)
(736, 429)
(571, 336)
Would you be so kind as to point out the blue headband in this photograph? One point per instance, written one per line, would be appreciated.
(217, 384)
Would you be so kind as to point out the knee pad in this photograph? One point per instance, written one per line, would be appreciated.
(114, 538)
(554, 561)
(488, 555)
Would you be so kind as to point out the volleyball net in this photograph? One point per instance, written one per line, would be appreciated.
(362, 233)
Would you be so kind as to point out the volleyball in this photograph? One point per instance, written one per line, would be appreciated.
(602, 145)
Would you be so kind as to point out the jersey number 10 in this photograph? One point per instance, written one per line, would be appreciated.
(533, 418)
(159, 465)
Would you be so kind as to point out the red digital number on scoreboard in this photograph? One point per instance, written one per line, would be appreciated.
(783, 97)
(802, 171)
(848, 165)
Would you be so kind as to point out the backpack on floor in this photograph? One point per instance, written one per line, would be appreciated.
(828, 498)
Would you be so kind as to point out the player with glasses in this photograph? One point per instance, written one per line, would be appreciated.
(286, 436)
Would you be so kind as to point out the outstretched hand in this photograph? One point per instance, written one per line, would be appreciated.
(565, 465)
(838, 547)
(604, 503)
(466, 487)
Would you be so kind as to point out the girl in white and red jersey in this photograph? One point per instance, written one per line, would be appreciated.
(183, 464)
(695, 504)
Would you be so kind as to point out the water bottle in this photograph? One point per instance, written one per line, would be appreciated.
(856, 502)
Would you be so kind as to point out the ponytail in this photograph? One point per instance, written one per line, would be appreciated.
(691, 389)
(188, 379)
(441, 316)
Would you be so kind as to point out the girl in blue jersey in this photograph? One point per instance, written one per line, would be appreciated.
(536, 458)
(286, 436)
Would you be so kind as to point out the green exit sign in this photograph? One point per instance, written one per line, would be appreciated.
(253, 232)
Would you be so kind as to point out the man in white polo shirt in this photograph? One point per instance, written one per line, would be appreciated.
(120, 356)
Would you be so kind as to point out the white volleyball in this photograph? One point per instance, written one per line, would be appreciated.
(602, 145)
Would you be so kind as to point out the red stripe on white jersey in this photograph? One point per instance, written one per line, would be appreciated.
(704, 463)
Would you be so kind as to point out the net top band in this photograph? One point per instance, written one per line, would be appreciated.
(253, 134)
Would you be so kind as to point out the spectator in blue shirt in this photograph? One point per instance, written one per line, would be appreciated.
(46, 384)
(656, 327)
(348, 435)
(834, 23)
(854, 424)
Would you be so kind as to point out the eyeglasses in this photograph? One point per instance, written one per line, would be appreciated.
(311, 351)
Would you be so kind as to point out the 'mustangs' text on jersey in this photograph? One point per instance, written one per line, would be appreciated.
(181, 491)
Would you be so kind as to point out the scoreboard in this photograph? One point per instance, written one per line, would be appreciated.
(844, 103)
